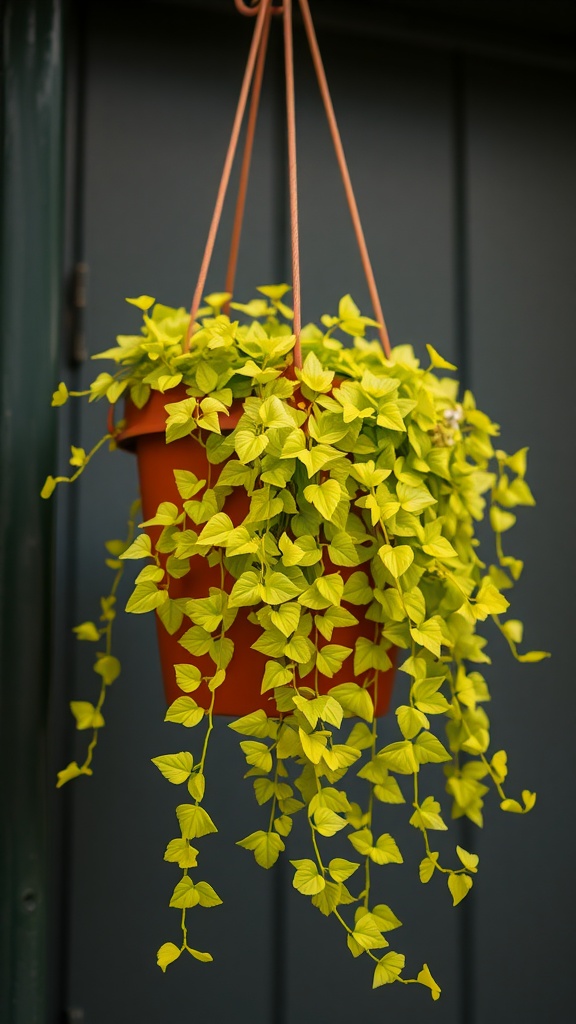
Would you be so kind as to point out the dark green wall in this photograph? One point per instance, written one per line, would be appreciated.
(458, 122)
(30, 299)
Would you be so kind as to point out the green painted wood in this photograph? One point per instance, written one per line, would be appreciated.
(394, 106)
(522, 168)
(146, 207)
(29, 316)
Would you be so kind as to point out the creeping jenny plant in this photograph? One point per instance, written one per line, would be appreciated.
(363, 480)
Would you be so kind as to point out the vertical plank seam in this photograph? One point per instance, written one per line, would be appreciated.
(462, 339)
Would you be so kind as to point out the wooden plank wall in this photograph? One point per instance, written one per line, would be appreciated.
(462, 167)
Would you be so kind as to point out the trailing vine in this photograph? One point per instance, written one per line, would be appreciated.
(362, 479)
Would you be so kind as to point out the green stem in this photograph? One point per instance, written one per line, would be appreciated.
(273, 808)
(108, 635)
(316, 850)
(207, 736)
(80, 470)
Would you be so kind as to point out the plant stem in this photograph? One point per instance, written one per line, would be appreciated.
(108, 635)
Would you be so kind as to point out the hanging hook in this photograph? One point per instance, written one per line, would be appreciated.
(253, 10)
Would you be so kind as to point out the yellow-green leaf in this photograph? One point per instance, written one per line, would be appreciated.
(314, 375)
(354, 700)
(175, 767)
(145, 598)
(512, 806)
(327, 822)
(60, 396)
(428, 635)
(87, 631)
(428, 867)
(388, 969)
(249, 446)
(529, 799)
(440, 548)
(275, 675)
(143, 302)
(181, 853)
(48, 488)
(501, 520)
(71, 771)
(196, 786)
(362, 841)
(533, 656)
(86, 715)
(324, 497)
(400, 757)
(217, 530)
(410, 721)
(330, 658)
(194, 821)
(313, 746)
(185, 711)
(469, 860)
(386, 851)
(389, 791)
(398, 559)
(254, 724)
(140, 548)
(257, 754)
(459, 886)
(366, 932)
(438, 361)
(208, 897)
(425, 978)
(429, 749)
(246, 591)
(188, 677)
(385, 918)
(108, 667)
(341, 869)
(427, 816)
(184, 895)
(307, 878)
(167, 954)
(204, 958)
(489, 601)
(266, 847)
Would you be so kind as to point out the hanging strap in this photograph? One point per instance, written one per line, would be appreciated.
(232, 146)
(292, 177)
(286, 11)
(340, 156)
(248, 147)
(253, 76)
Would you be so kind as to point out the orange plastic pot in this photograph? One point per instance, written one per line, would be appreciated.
(144, 433)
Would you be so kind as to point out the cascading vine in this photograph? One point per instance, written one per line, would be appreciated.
(361, 480)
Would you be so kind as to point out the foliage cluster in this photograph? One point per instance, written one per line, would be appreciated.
(365, 478)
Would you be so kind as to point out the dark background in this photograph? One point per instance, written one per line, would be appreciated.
(458, 122)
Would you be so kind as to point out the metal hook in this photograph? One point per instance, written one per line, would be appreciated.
(253, 10)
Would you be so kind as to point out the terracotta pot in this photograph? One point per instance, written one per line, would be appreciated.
(144, 433)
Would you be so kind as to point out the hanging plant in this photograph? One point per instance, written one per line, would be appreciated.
(310, 500)
(308, 529)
